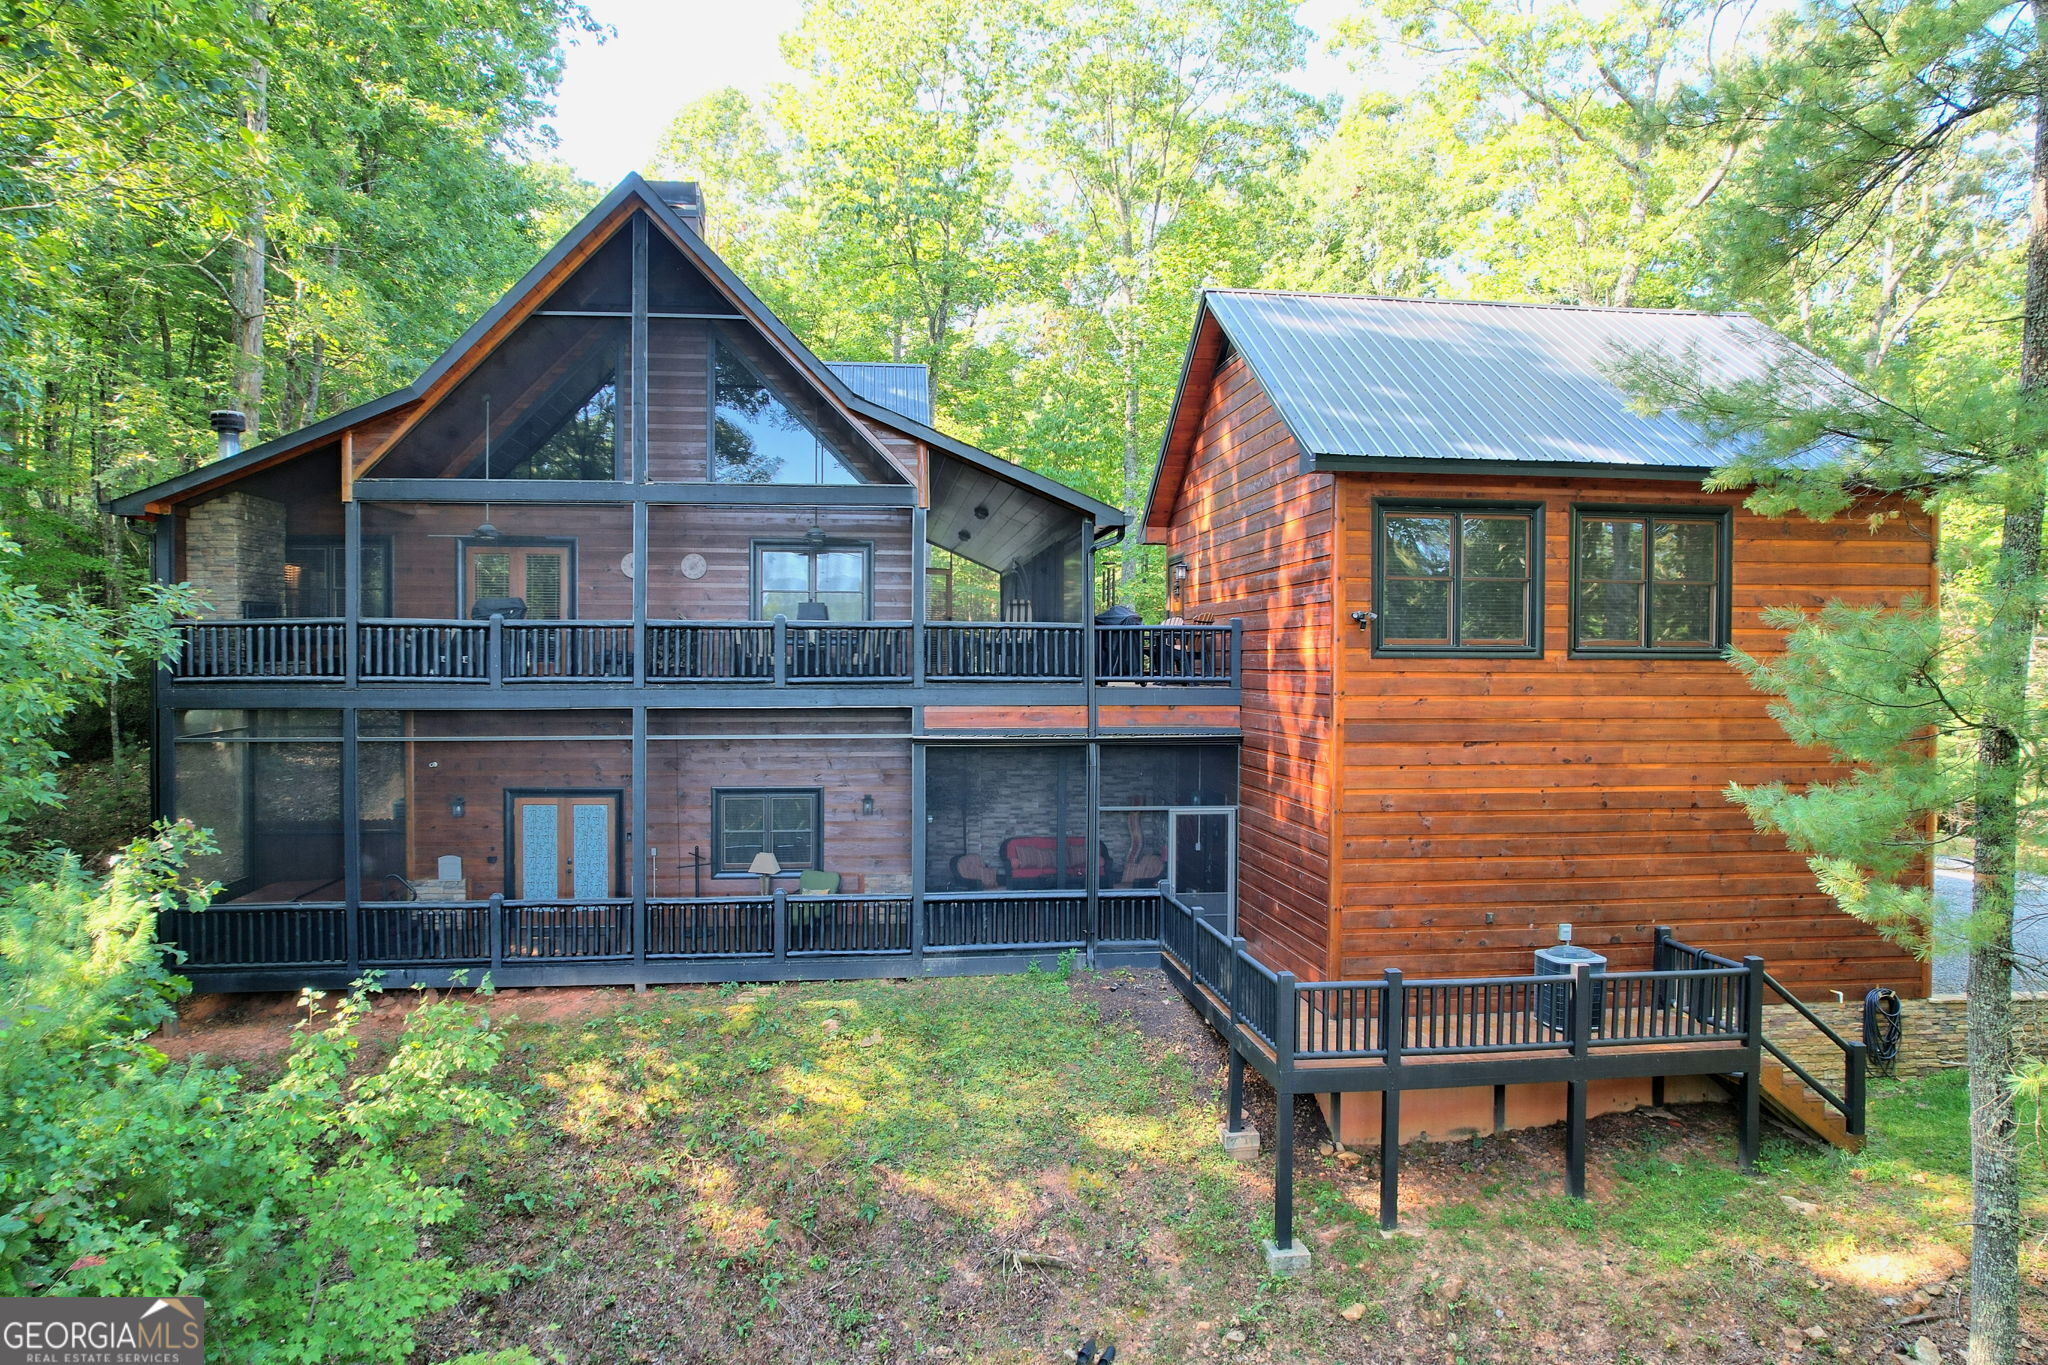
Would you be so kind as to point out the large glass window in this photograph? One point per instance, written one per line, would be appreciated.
(811, 582)
(758, 438)
(1649, 582)
(747, 822)
(1458, 578)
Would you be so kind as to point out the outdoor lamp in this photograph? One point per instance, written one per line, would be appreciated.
(767, 869)
(456, 806)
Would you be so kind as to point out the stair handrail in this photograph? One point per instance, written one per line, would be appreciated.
(1850, 1104)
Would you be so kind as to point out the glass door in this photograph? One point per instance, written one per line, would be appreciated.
(1201, 862)
(566, 845)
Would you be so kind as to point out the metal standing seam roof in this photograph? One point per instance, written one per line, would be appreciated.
(901, 388)
(1444, 380)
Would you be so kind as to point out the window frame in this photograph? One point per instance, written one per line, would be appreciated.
(755, 549)
(719, 797)
(1382, 508)
(1720, 619)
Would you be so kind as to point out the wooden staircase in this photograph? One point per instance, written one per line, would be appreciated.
(1794, 1102)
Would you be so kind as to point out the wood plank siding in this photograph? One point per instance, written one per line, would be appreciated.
(1443, 815)
(1486, 800)
(1256, 534)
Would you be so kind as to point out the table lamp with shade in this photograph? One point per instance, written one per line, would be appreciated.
(767, 869)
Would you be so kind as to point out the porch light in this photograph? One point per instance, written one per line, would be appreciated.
(457, 806)
(867, 805)
(767, 869)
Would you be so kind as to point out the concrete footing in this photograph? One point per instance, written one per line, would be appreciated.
(1242, 1145)
(1288, 1262)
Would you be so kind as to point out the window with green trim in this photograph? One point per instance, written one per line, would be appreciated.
(1649, 583)
(1458, 578)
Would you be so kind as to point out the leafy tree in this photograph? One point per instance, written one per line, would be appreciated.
(294, 1208)
(1858, 113)
(53, 657)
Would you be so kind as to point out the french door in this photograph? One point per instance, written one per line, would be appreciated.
(565, 845)
(536, 574)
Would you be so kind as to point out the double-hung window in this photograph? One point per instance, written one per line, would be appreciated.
(1462, 579)
(1646, 582)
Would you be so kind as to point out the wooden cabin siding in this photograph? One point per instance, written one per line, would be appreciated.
(1591, 790)
(678, 401)
(1255, 532)
(725, 536)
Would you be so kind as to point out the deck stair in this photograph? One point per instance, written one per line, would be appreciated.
(1787, 1089)
(1798, 1104)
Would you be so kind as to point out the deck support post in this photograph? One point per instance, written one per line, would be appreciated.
(352, 838)
(1390, 1159)
(642, 869)
(1500, 1110)
(1575, 1091)
(1235, 1090)
(1337, 1119)
(1752, 1094)
(1283, 1168)
(1575, 1139)
(1393, 1031)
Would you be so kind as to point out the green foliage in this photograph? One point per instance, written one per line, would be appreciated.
(294, 1208)
(396, 199)
(53, 656)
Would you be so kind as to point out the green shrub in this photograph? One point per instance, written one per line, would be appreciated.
(295, 1208)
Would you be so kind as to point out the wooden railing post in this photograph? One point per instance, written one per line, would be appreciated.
(1236, 649)
(781, 647)
(1855, 1065)
(1752, 1076)
(781, 925)
(1575, 1089)
(495, 916)
(1286, 1022)
(494, 651)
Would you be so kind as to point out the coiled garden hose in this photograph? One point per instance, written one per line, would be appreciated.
(1881, 1009)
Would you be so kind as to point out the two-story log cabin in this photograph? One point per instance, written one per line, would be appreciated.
(1486, 605)
(631, 642)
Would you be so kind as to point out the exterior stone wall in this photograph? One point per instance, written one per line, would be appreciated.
(1931, 1033)
(234, 553)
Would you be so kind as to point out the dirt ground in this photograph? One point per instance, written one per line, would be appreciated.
(1673, 1260)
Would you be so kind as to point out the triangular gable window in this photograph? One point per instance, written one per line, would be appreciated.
(758, 438)
(582, 445)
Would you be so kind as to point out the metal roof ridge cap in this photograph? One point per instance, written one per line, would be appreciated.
(1484, 303)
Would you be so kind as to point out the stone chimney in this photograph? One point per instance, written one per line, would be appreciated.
(685, 197)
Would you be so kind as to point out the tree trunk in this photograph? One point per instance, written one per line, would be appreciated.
(1129, 564)
(2009, 638)
(246, 289)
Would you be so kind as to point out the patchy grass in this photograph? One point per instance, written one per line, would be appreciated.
(839, 1173)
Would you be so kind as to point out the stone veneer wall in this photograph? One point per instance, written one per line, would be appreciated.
(1930, 1034)
(234, 552)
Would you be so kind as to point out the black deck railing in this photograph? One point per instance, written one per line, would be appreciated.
(780, 651)
(1693, 1013)
(525, 941)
